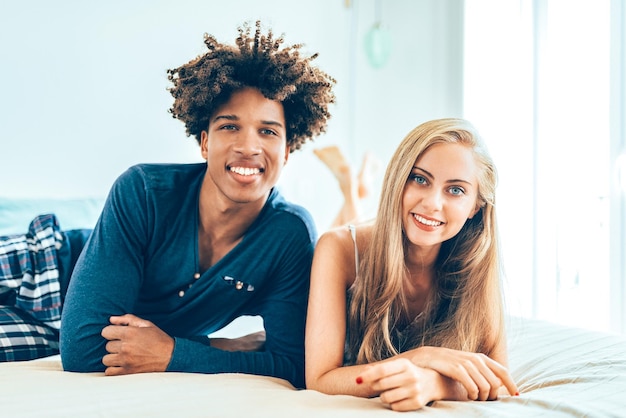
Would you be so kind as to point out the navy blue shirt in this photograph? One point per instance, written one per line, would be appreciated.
(142, 258)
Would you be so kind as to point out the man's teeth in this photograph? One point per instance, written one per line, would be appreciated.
(245, 171)
(426, 221)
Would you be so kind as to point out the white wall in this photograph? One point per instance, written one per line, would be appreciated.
(84, 85)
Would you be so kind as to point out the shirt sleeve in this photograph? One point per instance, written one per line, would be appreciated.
(107, 276)
(283, 309)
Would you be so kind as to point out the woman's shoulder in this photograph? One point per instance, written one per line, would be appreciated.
(347, 233)
(335, 255)
(335, 238)
(342, 240)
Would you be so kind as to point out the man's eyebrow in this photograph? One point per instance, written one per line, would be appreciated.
(235, 118)
(227, 117)
(272, 122)
(428, 174)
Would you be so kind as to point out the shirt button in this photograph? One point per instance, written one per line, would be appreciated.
(196, 276)
(181, 293)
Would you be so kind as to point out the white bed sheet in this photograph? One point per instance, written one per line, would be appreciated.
(561, 372)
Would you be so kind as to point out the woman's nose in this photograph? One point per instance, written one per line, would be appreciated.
(433, 200)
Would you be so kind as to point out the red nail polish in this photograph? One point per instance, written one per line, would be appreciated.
(359, 380)
(516, 393)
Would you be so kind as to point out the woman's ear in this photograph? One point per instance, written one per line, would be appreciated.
(477, 208)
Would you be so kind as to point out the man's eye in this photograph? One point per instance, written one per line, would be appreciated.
(228, 127)
(267, 132)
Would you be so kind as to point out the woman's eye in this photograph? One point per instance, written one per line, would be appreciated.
(228, 127)
(457, 191)
(267, 132)
(418, 179)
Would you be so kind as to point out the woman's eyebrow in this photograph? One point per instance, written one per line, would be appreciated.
(459, 181)
(430, 175)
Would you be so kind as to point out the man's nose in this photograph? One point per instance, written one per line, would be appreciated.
(248, 142)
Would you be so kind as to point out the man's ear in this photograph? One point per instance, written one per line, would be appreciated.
(287, 153)
(204, 146)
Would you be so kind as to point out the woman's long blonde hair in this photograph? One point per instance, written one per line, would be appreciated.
(465, 310)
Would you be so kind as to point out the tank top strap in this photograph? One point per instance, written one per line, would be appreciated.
(352, 229)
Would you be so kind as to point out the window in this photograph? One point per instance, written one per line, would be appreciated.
(540, 83)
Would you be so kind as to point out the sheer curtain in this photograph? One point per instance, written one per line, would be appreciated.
(541, 83)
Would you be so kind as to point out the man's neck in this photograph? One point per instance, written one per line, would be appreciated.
(222, 223)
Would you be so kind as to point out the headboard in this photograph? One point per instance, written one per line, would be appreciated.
(75, 213)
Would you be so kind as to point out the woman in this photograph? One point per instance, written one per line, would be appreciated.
(408, 307)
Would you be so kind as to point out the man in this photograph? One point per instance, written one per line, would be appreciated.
(180, 250)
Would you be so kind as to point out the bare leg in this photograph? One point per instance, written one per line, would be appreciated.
(336, 162)
(369, 166)
(353, 188)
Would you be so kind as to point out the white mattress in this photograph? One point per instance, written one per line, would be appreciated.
(560, 372)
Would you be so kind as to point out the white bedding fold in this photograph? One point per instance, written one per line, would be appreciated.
(560, 372)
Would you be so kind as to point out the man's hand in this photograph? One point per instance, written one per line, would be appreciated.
(135, 346)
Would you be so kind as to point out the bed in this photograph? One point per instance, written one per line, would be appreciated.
(561, 372)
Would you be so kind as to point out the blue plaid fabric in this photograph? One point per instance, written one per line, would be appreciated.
(30, 293)
(24, 338)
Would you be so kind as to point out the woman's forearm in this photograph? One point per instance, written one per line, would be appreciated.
(340, 381)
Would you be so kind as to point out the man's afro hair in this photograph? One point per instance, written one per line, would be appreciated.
(257, 61)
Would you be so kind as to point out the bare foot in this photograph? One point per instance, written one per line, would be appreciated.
(369, 167)
(354, 189)
(336, 162)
